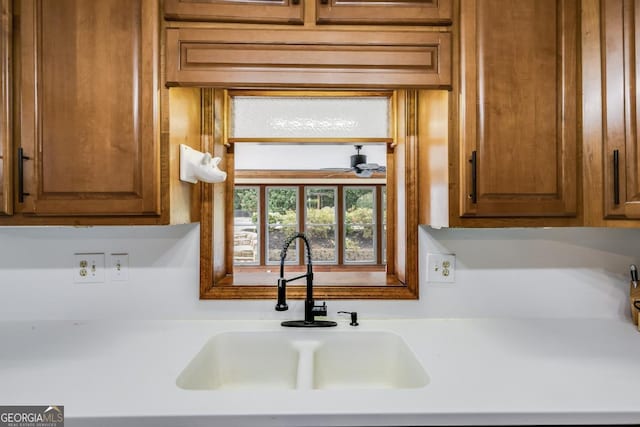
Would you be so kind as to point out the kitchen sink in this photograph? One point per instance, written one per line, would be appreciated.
(304, 360)
(367, 360)
(242, 360)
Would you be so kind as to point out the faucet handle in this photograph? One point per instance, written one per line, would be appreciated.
(320, 310)
(282, 297)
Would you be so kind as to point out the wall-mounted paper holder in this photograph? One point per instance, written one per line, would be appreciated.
(197, 166)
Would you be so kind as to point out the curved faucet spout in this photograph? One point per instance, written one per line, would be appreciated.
(285, 248)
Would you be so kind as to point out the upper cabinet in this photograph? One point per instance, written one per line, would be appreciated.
(252, 11)
(391, 12)
(517, 124)
(620, 78)
(88, 121)
(5, 107)
(370, 12)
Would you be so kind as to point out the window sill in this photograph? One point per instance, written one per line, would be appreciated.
(327, 285)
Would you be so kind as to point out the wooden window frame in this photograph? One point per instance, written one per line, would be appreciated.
(216, 237)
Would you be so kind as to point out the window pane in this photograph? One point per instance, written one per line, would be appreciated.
(321, 223)
(245, 226)
(278, 234)
(317, 117)
(360, 243)
(282, 211)
(360, 235)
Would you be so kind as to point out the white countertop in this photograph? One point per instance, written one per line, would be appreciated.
(482, 372)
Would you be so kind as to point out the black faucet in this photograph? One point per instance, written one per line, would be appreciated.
(311, 310)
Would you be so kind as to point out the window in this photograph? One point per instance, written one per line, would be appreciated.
(359, 224)
(342, 232)
(282, 212)
(321, 223)
(246, 226)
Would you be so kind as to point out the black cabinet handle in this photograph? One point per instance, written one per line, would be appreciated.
(296, 2)
(324, 1)
(21, 159)
(616, 177)
(474, 178)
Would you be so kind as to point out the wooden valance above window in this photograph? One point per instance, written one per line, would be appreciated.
(223, 57)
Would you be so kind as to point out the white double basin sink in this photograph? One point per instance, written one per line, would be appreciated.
(308, 359)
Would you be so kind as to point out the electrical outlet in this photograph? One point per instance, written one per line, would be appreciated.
(119, 267)
(441, 268)
(88, 268)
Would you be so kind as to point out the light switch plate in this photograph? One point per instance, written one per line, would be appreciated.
(119, 267)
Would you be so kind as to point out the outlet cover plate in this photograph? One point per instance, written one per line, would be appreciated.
(441, 268)
(88, 268)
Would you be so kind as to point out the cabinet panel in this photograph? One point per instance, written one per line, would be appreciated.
(518, 121)
(621, 156)
(393, 12)
(356, 59)
(254, 11)
(89, 91)
(5, 108)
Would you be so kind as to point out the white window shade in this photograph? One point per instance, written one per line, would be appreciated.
(320, 117)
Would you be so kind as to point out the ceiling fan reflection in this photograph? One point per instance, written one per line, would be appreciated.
(359, 165)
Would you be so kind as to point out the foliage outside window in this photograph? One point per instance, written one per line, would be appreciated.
(321, 223)
(282, 214)
(246, 226)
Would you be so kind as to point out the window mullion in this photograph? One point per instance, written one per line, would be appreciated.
(378, 219)
(302, 220)
(262, 220)
(341, 216)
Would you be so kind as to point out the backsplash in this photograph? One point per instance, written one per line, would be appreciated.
(573, 272)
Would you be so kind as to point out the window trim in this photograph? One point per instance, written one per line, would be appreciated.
(401, 282)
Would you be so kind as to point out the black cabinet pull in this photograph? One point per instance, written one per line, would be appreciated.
(296, 2)
(616, 177)
(474, 178)
(21, 159)
(324, 1)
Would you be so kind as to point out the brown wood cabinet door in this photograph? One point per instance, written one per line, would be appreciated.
(88, 111)
(518, 121)
(621, 156)
(5, 108)
(254, 11)
(394, 12)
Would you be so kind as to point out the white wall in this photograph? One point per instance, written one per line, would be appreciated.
(499, 273)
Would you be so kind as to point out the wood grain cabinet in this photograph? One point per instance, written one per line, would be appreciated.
(391, 12)
(251, 11)
(5, 107)
(620, 79)
(223, 57)
(518, 121)
(87, 122)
